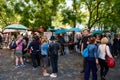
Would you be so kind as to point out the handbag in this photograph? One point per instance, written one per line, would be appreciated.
(85, 52)
(110, 61)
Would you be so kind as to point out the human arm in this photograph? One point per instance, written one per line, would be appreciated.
(96, 54)
(82, 47)
(108, 52)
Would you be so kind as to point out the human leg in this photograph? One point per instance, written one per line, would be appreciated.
(87, 71)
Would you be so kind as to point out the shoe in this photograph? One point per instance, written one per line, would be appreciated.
(82, 71)
(53, 75)
(46, 74)
(17, 66)
(103, 78)
(34, 68)
(115, 56)
(22, 65)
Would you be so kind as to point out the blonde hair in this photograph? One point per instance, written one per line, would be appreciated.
(104, 40)
(45, 39)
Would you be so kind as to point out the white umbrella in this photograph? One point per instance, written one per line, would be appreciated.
(12, 30)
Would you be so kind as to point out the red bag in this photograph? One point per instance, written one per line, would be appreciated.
(110, 62)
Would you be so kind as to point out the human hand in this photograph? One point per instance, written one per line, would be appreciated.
(97, 62)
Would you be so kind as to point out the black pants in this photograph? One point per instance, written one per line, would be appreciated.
(103, 67)
(84, 64)
(35, 59)
(62, 50)
(54, 63)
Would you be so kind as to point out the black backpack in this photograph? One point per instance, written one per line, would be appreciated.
(13, 45)
(53, 49)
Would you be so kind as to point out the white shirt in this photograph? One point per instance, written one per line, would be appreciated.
(103, 49)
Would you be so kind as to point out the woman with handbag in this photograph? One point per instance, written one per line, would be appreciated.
(103, 50)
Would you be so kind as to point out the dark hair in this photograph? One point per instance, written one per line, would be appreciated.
(91, 40)
(36, 38)
(53, 38)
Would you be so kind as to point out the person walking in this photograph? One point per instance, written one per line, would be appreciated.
(53, 48)
(103, 50)
(91, 60)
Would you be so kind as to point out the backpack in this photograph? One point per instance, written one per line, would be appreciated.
(85, 52)
(53, 48)
(13, 45)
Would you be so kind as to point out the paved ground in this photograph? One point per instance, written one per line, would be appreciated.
(69, 69)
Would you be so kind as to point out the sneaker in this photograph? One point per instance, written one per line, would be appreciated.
(22, 65)
(46, 74)
(34, 68)
(53, 75)
(17, 66)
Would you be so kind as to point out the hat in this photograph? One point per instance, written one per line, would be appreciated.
(52, 38)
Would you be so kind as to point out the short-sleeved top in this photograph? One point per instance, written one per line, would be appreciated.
(19, 44)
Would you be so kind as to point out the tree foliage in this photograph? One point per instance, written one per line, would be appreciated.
(36, 13)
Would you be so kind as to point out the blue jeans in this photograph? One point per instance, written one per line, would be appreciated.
(54, 63)
(90, 65)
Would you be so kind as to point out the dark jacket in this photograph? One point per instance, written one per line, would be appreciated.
(34, 46)
(61, 40)
(53, 48)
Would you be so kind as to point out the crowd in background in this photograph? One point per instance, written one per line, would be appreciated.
(42, 50)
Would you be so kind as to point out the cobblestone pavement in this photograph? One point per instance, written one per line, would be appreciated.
(69, 69)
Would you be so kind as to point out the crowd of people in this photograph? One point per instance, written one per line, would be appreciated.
(42, 50)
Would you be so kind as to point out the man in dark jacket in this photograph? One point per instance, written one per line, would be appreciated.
(34, 47)
(84, 44)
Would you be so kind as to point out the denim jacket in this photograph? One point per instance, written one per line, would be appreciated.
(93, 52)
(44, 48)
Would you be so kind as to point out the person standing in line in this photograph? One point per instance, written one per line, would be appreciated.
(34, 49)
(18, 52)
(44, 55)
(53, 48)
(62, 42)
(103, 50)
(91, 60)
(84, 44)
